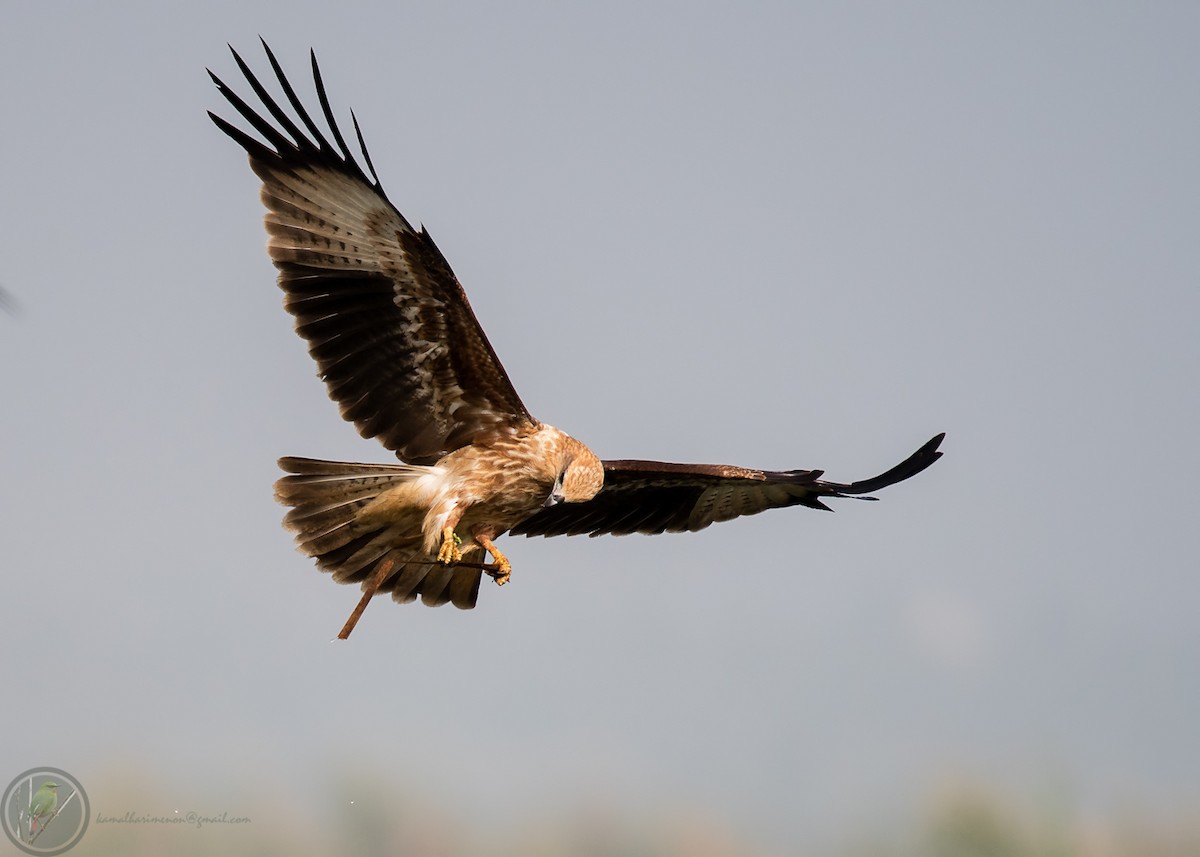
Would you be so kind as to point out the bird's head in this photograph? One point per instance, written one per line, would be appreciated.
(52, 786)
(580, 477)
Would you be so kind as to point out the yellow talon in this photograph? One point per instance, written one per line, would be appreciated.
(450, 541)
(500, 570)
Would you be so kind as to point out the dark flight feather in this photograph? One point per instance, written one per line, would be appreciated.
(654, 497)
(385, 318)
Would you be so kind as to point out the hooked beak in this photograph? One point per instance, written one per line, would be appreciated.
(556, 497)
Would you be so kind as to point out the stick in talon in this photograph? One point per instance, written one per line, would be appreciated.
(502, 570)
(369, 590)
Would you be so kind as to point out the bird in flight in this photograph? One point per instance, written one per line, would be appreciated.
(404, 357)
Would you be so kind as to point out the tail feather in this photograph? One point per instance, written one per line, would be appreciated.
(314, 484)
(366, 556)
(435, 583)
(352, 562)
(464, 588)
(433, 587)
(405, 584)
(349, 533)
(321, 519)
(328, 499)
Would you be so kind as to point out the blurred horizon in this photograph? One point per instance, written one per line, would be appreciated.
(364, 811)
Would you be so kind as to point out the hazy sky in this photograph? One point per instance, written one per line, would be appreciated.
(776, 235)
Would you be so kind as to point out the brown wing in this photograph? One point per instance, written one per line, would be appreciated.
(385, 318)
(655, 497)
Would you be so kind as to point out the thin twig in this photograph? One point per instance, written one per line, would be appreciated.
(385, 568)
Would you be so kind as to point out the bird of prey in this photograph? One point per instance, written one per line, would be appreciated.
(402, 354)
(42, 805)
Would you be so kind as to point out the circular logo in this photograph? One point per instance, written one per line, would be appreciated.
(45, 811)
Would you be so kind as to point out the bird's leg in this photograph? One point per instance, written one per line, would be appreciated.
(450, 553)
(501, 570)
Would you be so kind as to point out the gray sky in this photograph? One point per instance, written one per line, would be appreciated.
(774, 235)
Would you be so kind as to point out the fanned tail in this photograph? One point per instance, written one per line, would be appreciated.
(329, 514)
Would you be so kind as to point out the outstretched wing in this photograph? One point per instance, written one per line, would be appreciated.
(655, 497)
(385, 318)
